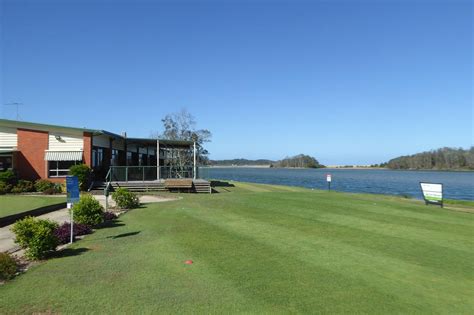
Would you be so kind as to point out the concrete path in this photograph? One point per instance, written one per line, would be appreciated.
(6, 236)
(143, 199)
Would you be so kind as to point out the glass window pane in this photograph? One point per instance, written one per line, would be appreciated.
(5, 163)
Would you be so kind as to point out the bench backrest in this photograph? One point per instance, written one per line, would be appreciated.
(179, 183)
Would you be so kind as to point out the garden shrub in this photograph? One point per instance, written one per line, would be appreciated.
(36, 236)
(8, 177)
(23, 186)
(125, 199)
(4, 188)
(50, 191)
(83, 173)
(109, 216)
(55, 189)
(60, 187)
(63, 232)
(8, 266)
(88, 211)
(42, 185)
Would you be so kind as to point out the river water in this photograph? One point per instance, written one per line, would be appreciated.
(456, 185)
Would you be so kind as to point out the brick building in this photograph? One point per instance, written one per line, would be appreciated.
(37, 151)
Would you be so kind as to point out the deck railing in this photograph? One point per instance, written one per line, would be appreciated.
(147, 173)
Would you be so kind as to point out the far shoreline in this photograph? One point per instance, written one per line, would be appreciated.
(337, 168)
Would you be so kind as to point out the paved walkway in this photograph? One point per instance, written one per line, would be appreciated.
(143, 199)
(6, 236)
(60, 216)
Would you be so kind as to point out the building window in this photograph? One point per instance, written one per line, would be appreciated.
(97, 157)
(129, 158)
(115, 158)
(60, 168)
(6, 162)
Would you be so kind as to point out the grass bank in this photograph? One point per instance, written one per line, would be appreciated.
(262, 249)
(12, 204)
(465, 203)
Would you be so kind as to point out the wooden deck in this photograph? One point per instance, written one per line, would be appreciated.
(172, 185)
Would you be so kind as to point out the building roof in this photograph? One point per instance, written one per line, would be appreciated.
(38, 126)
(95, 132)
(152, 141)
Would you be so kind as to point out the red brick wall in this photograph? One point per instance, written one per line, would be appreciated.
(87, 149)
(30, 162)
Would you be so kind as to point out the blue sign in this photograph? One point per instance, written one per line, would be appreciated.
(72, 188)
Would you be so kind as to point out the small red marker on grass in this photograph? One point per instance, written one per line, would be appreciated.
(188, 262)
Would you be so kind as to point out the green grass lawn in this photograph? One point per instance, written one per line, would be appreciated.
(464, 203)
(12, 204)
(262, 249)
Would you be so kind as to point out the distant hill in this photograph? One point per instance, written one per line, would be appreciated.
(300, 161)
(297, 161)
(440, 159)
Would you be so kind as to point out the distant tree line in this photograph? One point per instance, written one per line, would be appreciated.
(241, 162)
(300, 160)
(440, 159)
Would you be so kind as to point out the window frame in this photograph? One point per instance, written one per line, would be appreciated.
(97, 157)
(57, 169)
(7, 156)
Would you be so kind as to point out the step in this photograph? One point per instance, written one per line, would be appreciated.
(198, 186)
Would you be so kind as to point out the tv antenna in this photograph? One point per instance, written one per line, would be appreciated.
(17, 105)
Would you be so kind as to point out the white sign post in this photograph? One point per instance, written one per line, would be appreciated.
(71, 222)
(432, 193)
(329, 179)
(106, 193)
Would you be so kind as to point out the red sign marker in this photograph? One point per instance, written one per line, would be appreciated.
(188, 262)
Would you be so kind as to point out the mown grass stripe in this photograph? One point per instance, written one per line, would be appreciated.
(409, 250)
(435, 231)
(261, 270)
(382, 207)
(409, 282)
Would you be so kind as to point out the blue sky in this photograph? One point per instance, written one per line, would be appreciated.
(349, 82)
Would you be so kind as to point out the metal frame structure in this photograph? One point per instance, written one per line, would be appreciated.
(166, 152)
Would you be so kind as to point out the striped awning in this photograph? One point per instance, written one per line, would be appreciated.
(63, 156)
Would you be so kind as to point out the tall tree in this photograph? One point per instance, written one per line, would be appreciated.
(182, 126)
